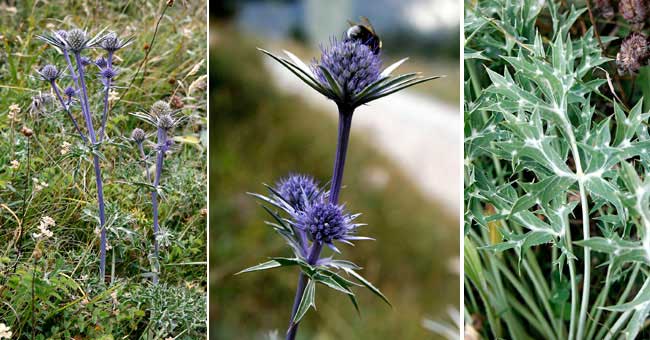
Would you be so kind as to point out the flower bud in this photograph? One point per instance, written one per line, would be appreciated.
(49, 73)
(160, 108)
(138, 135)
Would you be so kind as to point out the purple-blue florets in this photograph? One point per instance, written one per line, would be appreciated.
(324, 221)
(351, 63)
(85, 61)
(69, 92)
(101, 62)
(108, 73)
(49, 73)
(298, 190)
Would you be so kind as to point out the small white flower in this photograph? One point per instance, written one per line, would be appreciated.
(14, 110)
(39, 185)
(114, 297)
(113, 96)
(43, 228)
(5, 332)
(65, 148)
(15, 164)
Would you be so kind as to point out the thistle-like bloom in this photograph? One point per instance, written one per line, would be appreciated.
(111, 43)
(138, 135)
(633, 54)
(77, 40)
(352, 64)
(160, 108)
(634, 11)
(69, 92)
(85, 61)
(298, 190)
(49, 73)
(325, 222)
(101, 62)
(108, 73)
(348, 73)
(166, 122)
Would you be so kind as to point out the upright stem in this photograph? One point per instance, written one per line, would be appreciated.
(144, 162)
(302, 283)
(98, 174)
(106, 91)
(586, 289)
(162, 142)
(345, 123)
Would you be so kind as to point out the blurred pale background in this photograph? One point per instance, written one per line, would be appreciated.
(402, 173)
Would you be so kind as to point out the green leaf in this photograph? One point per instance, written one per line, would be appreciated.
(279, 262)
(367, 284)
(261, 266)
(597, 186)
(306, 301)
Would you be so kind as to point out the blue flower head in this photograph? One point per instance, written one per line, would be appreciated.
(69, 92)
(351, 63)
(77, 40)
(327, 222)
(101, 62)
(108, 73)
(49, 73)
(298, 190)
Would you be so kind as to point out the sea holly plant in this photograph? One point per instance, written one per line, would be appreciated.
(556, 200)
(73, 45)
(308, 216)
(164, 119)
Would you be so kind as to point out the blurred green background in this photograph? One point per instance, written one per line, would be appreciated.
(260, 133)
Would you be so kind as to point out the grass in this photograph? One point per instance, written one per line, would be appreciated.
(50, 289)
(259, 135)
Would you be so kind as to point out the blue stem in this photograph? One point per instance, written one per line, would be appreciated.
(106, 91)
(345, 124)
(98, 174)
(162, 147)
(302, 283)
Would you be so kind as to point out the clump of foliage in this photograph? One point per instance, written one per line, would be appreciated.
(557, 241)
(51, 222)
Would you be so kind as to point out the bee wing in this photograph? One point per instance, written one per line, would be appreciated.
(366, 22)
(351, 23)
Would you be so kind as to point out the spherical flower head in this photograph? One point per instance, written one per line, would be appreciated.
(166, 122)
(633, 54)
(634, 11)
(85, 61)
(69, 91)
(62, 34)
(108, 73)
(324, 222)
(138, 135)
(111, 42)
(160, 108)
(49, 73)
(76, 40)
(298, 190)
(352, 64)
(101, 62)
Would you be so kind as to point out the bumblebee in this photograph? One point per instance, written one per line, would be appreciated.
(365, 33)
